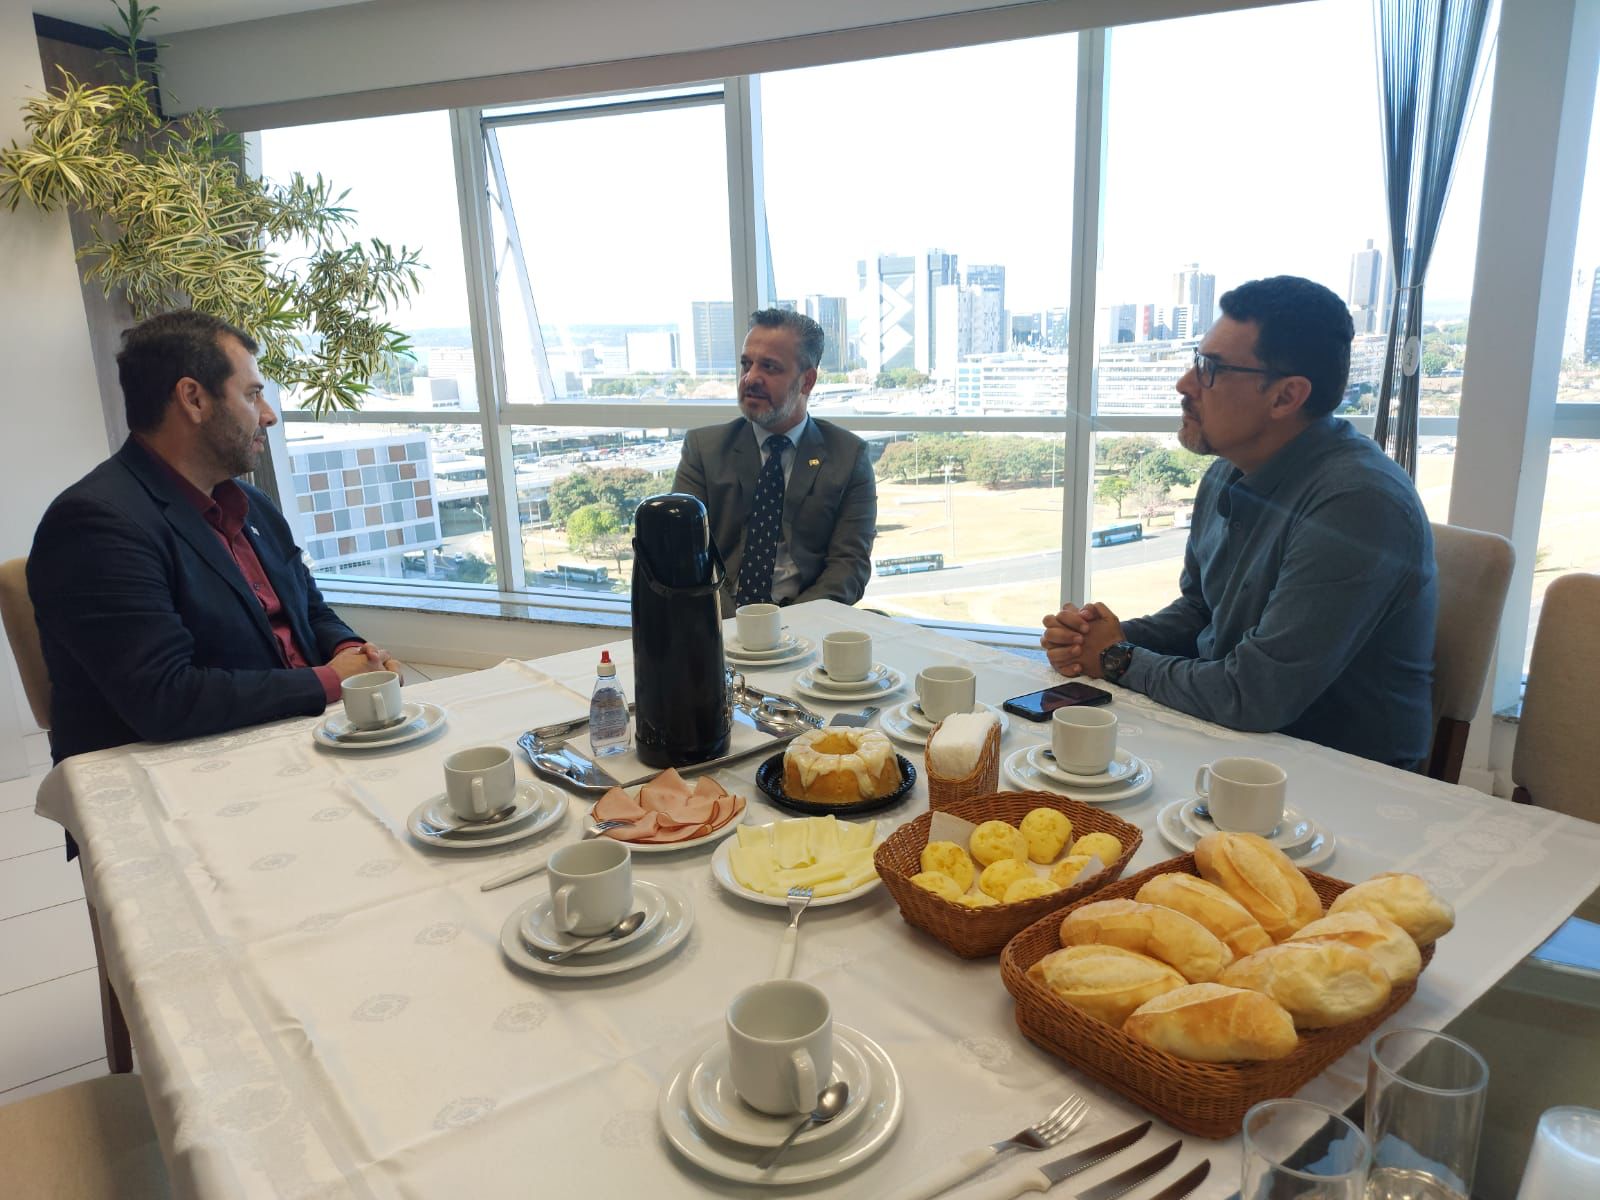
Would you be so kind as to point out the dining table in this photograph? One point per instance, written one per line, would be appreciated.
(320, 1006)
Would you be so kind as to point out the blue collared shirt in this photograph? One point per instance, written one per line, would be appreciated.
(1308, 602)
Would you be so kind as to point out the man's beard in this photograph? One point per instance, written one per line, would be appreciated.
(1192, 438)
(233, 450)
(781, 414)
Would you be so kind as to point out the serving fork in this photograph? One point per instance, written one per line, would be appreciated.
(1051, 1131)
(799, 897)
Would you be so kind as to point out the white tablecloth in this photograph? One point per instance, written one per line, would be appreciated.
(320, 1007)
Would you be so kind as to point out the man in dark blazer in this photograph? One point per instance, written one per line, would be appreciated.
(171, 599)
(792, 499)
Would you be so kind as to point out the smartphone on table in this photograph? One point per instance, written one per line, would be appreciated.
(1037, 706)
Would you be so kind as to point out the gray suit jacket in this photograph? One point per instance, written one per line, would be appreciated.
(830, 510)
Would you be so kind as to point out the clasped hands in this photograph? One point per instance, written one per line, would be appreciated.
(356, 660)
(1074, 637)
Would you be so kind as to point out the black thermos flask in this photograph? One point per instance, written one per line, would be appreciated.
(682, 714)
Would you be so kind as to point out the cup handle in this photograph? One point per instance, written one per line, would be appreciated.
(559, 900)
(1203, 789)
(480, 799)
(380, 710)
(804, 1087)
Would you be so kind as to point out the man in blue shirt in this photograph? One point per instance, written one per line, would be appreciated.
(1308, 591)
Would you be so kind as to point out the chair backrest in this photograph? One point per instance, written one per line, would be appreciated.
(1555, 737)
(1474, 572)
(16, 611)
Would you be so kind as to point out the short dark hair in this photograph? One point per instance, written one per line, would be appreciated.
(808, 334)
(158, 352)
(1302, 329)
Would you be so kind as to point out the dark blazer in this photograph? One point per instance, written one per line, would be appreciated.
(150, 632)
(830, 510)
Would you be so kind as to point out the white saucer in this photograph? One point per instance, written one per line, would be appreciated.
(716, 835)
(722, 872)
(669, 932)
(715, 1105)
(1169, 824)
(339, 725)
(539, 929)
(866, 1136)
(906, 724)
(766, 664)
(429, 718)
(1123, 767)
(882, 682)
(1019, 772)
(545, 804)
(525, 802)
(789, 646)
(1294, 830)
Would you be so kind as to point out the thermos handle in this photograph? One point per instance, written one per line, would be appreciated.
(718, 574)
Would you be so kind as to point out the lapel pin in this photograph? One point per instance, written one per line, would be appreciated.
(815, 462)
(255, 531)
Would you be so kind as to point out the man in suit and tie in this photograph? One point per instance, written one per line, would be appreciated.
(792, 499)
(171, 599)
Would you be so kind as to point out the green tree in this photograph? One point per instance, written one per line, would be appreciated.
(395, 375)
(1114, 489)
(1121, 453)
(474, 569)
(618, 488)
(1160, 467)
(1015, 461)
(900, 378)
(1435, 363)
(588, 526)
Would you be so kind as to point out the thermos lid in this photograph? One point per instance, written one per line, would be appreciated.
(673, 534)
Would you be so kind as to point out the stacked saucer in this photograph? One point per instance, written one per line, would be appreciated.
(1034, 768)
(1306, 843)
(534, 808)
(711, 1127)
(417, 720)
(908, 724)
(791, 648)
(529, 935)
(815, 683)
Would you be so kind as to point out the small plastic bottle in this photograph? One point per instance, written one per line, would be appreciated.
(609, 726)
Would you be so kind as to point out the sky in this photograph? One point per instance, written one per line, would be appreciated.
(1247, 142)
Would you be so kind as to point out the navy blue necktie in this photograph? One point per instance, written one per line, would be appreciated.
(764, 529)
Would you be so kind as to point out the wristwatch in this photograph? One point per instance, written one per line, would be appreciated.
(1115, 660)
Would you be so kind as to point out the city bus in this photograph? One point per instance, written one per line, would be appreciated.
(907, 564)
(582, 574)
(1115, 535)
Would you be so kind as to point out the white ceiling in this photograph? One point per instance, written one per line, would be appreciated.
(179, 15)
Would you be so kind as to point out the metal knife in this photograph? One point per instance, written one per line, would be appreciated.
(1041, 1179)
(1181, 1188)
(957, 1169)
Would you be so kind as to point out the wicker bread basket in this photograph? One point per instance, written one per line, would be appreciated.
(977, 932)
(1209, 1099)
(983, 779)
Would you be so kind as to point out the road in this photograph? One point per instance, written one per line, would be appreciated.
(1028, 567)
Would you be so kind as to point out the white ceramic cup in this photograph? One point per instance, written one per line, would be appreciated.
(591, 886)
(780, 1045)
(1083, 739)
(371, 699)
(847, 657)
(1245, 795)
(479, 781)
(942, 691)
(1565, 1160)
(760, 625)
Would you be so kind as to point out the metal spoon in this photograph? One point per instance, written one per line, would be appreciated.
(830, 1103)
(616, 933)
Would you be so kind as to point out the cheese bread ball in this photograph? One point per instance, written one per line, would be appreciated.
(997, 877)
(939, 884)
(1065, 872)
(994, 840)
(1047, 831)
(947, 858)
(977, 900)
(1027, 889)
(1102, 845)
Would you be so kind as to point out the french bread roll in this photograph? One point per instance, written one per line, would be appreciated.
(1211, 906)
(1182, 943)
(1380, 937)
(1259, 876)
(1407, 900)
(1207, 1022)
(1107, 982)
(1320, 983)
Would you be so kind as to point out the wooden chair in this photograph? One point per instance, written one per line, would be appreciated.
(1474, 571)
(1555, 737)
(88, 1141)
(22, 631)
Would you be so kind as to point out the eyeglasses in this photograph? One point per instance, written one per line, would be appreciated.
(1208, 366)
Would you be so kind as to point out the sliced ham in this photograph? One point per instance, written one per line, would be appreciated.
(667, 809)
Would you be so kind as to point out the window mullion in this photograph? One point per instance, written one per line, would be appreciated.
(746, 221)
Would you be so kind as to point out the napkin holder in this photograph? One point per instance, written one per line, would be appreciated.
(982, 780)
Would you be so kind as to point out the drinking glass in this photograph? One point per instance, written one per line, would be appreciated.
(1425, 1095)
(1296, 1150)
(1566, 1156)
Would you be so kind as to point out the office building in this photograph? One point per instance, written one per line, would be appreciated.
(711, 337)
(1591, 337)
(897, 292)
(833, 314)
(1195, 287)
(1371, 290)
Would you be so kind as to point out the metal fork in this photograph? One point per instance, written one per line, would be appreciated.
(533, 868)
(1054, 1129)
(799, 897)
